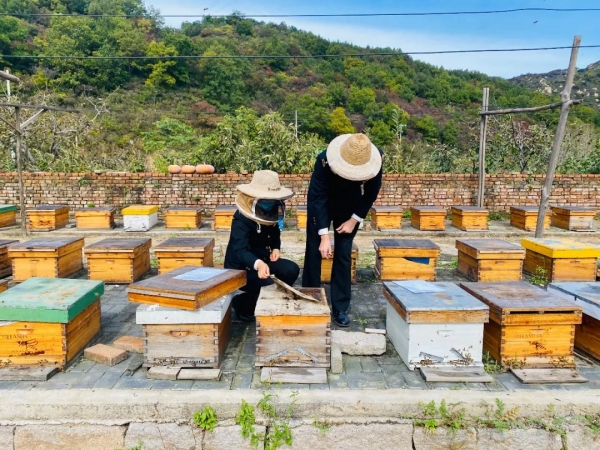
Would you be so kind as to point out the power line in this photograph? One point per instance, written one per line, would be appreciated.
(280, 16)
(434, 52)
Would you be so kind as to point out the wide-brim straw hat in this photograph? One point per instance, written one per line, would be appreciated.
(354, 157)
(265, 184)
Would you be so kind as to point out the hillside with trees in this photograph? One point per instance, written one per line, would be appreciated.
(153, 106)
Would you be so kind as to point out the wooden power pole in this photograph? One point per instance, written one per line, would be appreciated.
(482, 141)
(565, 98)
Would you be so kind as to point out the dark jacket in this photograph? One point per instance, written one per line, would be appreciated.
(331, 197)
(246, 244)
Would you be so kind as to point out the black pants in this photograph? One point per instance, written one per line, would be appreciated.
(341, 274)
(284, 269)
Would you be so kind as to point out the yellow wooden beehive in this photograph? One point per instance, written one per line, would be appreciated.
(490, 260)
(118, 260)
(469, 218)
(178, 252)
(386, 217)
(428, 218)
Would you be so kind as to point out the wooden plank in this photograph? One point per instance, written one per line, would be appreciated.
(199, 374)
(456, 374)
(163, 373)
(545, 376)
(274, 302)
(294, 375)
(27, 373)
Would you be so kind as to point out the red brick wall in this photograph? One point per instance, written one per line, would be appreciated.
(123, 189)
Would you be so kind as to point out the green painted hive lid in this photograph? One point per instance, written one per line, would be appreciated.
(52, 300)
(7, 208)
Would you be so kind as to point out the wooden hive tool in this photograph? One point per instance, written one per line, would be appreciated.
(294, 293)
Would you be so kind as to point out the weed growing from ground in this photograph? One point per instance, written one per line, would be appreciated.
(206, 419)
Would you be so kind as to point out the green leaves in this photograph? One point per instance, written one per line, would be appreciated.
(206, 419)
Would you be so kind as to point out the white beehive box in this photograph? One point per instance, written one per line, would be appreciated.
(139, 217)
(435, 329)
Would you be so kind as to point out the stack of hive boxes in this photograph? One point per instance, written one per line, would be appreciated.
(186, 316)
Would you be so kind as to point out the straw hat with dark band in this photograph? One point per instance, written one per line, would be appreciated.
(354, 157)
(265, 184)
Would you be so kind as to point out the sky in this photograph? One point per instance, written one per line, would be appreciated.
(432, 33)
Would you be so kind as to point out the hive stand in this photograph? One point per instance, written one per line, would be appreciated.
(48, 217)
(118, 260)
(224, 217)
(528, 327)
(525, 217)
(186, 217)
(46, 257)
(490, 260)
(178, 252)
(428, 218)
(560, 259)
(573, 218)
(405, 259)
(99, 217)
(470, 218)
(386, 217)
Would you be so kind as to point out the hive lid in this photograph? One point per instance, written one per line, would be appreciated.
(483, 246)
(117, 244)
(184, 208)
(95, 209)
(386, 209)
(45, 244)
(7, 208)
(53, 300)
(432, 209)
(405, 244)
(518, 296)
(185, 244)
(587, 291)
(469, 209)
(449, 297)
(212, 313)
(50, 207)
(7, 242)
(225, 208)
(561, 248)
(576, 209)
(139, 210)
(274, 301)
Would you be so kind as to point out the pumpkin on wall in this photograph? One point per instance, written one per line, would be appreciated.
(205, 169)
(188, 169)
(174, 168)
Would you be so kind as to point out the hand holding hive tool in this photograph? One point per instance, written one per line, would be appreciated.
(296, 294)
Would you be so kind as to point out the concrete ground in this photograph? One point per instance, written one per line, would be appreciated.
(367, 310)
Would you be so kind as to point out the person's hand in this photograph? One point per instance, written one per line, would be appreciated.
(263, 270)
(347, 227)
(275, 255)
(325, 247)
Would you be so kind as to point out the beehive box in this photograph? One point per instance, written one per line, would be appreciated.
(174, 337)
(99, 217)
(177, 252)
(188, 217)
(587, 296)
(405, 259)
(525, 217)
(301, 217)
(47, 257)
(327, 264)
(139, 217)
(8, 215)
(528, 327)
(48, 217)
(5, 263)
(441, 328)
(189, 287)
(48, 322)
(561, 259)
(386, 217)
(428, 218)
(3, 285)
(118, 260)
(470, 218)
(573, 218)
(490, 260)
(224, 217)
(292, 332)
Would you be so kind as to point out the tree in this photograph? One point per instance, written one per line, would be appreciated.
(339, 122)
(360, 98)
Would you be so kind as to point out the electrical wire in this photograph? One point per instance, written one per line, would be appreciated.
(281, 16)
(345, 55)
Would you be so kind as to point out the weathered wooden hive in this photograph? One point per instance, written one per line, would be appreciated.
(99, 218)
(386, 217)
(8, 215)
(435, 324)
(46, 257)
(560, 259)
(470, 218)
(405, 259)
(186, 217)
(5, 263)
(118, 260)
(529, 327)
(573, 218)
(48, 217)
(47, 321)
(292, 332)
(428, 218)
(224, 216)
(185, 251)
(490, 260)
(525, 217)
(327, 264)
(301, 217)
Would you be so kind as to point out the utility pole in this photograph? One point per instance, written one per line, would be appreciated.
(566, 101)
(482, 139)
(19, 133)
(296, 123)
(8, 85)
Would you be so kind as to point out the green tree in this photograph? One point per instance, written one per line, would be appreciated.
(360, 99)
(339, 122)
(427, 126)
(159, 68)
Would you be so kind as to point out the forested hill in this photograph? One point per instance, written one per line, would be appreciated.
(163, 110)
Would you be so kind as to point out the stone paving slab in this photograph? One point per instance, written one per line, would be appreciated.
(368, 310)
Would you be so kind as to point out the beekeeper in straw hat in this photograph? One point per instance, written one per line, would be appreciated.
(344, 185)
(255, 239)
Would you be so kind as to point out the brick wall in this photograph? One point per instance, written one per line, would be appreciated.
(123, 189)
